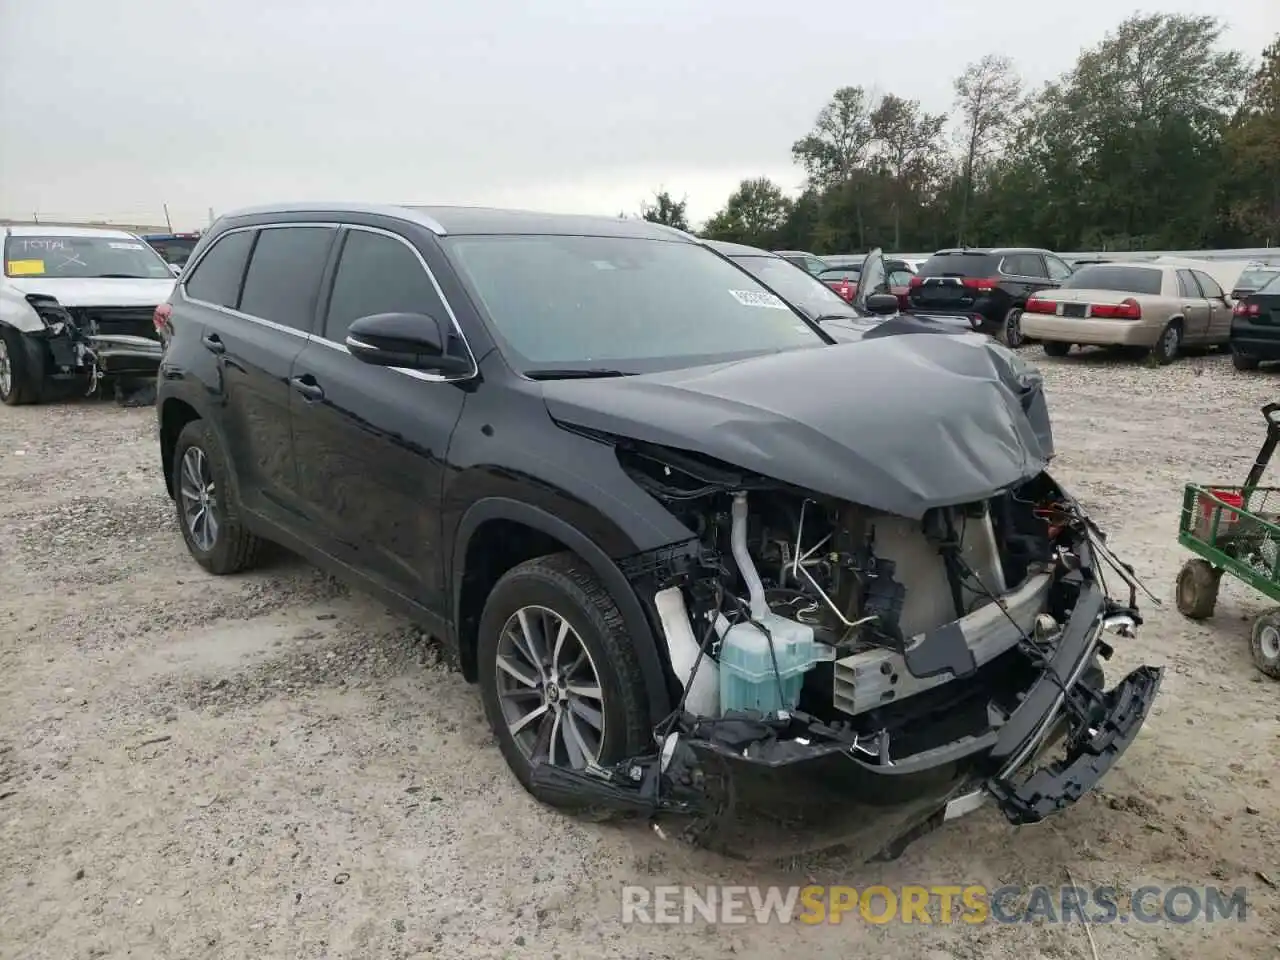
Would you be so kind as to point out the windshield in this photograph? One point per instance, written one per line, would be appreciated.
(619, 303)
(800, 288)
(82, 258)
(1255, 278)
(1120, 279)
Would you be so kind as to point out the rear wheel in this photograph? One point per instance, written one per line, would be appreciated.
(207, 513)
(1197, 589)
(18, 383)
(1265, 643)
(1169, 345)
(1244, 362)
(1056, 348)
(558, 674)
(1011, 330)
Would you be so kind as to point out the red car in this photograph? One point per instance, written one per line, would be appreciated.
(844, 280)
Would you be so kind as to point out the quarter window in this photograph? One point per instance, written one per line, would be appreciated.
(1058, 270)
(284, 275)
(217, 277)
(377, 274)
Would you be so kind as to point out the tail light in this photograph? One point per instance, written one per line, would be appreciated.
(1127, 309)
(161, 318)
(1036, 305)
(1246, 310)
(981, 284)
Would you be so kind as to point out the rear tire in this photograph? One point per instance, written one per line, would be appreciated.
(529, 602)
(1243, 362)
(1056, 348)
(207, 512)
(18, 382)
(1197, 589)
(1169, 345)
(1011, 329)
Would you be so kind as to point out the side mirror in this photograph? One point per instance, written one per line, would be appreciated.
(882, 304)
(412, 340)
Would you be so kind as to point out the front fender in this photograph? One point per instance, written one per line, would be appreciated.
(637, 623)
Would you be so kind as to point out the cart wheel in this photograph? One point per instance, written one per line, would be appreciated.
(1198, 589)
(1265, 643)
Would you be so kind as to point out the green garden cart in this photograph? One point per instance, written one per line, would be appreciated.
(1236, 530)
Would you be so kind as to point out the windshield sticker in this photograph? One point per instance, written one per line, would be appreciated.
(26, 268)
(41, 243)
(754, 298)
(125, 246)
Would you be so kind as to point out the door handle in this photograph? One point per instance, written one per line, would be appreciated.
(213, 343)
(307, 386)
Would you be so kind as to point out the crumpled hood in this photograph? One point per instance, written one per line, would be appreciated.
(97, 292)
(898, 423)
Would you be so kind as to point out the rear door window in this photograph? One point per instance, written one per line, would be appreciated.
(217, 277)
(284, 275)
(1024, 265)
(1187, 285)
(1208, 285)
(377, 274)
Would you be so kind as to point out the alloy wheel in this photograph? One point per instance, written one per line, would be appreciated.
(1013, 329)
(549, 689)
(6, 369)
(199, 498)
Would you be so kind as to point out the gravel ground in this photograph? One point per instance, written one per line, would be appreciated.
(272, 766)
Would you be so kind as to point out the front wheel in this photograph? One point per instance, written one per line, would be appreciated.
(207, 513)
(558, 673)
(1265, 643)
(18, 382)
(1056, 348)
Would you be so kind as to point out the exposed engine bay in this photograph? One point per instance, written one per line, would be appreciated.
(798, 624)
(96, 344)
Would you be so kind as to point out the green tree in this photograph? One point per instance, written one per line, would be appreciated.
(988, 102)
(839, 144)
(910, 151)
(1253, 156)
(754, 214)
(666, 210)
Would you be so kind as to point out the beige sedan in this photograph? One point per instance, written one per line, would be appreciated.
(1156, 308)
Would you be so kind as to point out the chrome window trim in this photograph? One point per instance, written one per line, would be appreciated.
(317, 338)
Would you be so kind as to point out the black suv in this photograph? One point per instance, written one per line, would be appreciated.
(989, 285)
(675, 531)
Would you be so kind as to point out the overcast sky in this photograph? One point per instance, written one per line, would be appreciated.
(111, 108)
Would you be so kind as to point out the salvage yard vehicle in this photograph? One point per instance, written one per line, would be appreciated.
(808, 262)
(1236, 530)
(990, 285)
(1255, 327)
(678, 534)
(76, 306)
(1146, 308)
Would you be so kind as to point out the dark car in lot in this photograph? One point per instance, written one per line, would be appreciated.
(681, 537)
(1255, 327)
(990, 285)
(1254, 278)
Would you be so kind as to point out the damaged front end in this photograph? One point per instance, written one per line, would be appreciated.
(914, 667)
(91, 345)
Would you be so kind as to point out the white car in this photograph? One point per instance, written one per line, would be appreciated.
(77, 304)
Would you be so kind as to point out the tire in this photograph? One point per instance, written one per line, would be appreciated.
(18, 383)
(1011, 329)
(231, 548)
(1056, 348)
(1197, 589)
(1265, 643)
(1166, 349)
(564, 585)
(1243, 362)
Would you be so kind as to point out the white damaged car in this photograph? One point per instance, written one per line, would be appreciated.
(77, 304)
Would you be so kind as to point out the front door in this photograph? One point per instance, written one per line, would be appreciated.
(370, 442)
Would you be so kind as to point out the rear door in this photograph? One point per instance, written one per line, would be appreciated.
(371, 441)
(1194, 306)
(1023, 274)
(256, 344)
(1219, 308)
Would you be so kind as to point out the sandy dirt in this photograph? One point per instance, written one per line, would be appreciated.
(271, 766)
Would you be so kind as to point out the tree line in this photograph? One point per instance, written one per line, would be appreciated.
(1158, 138)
